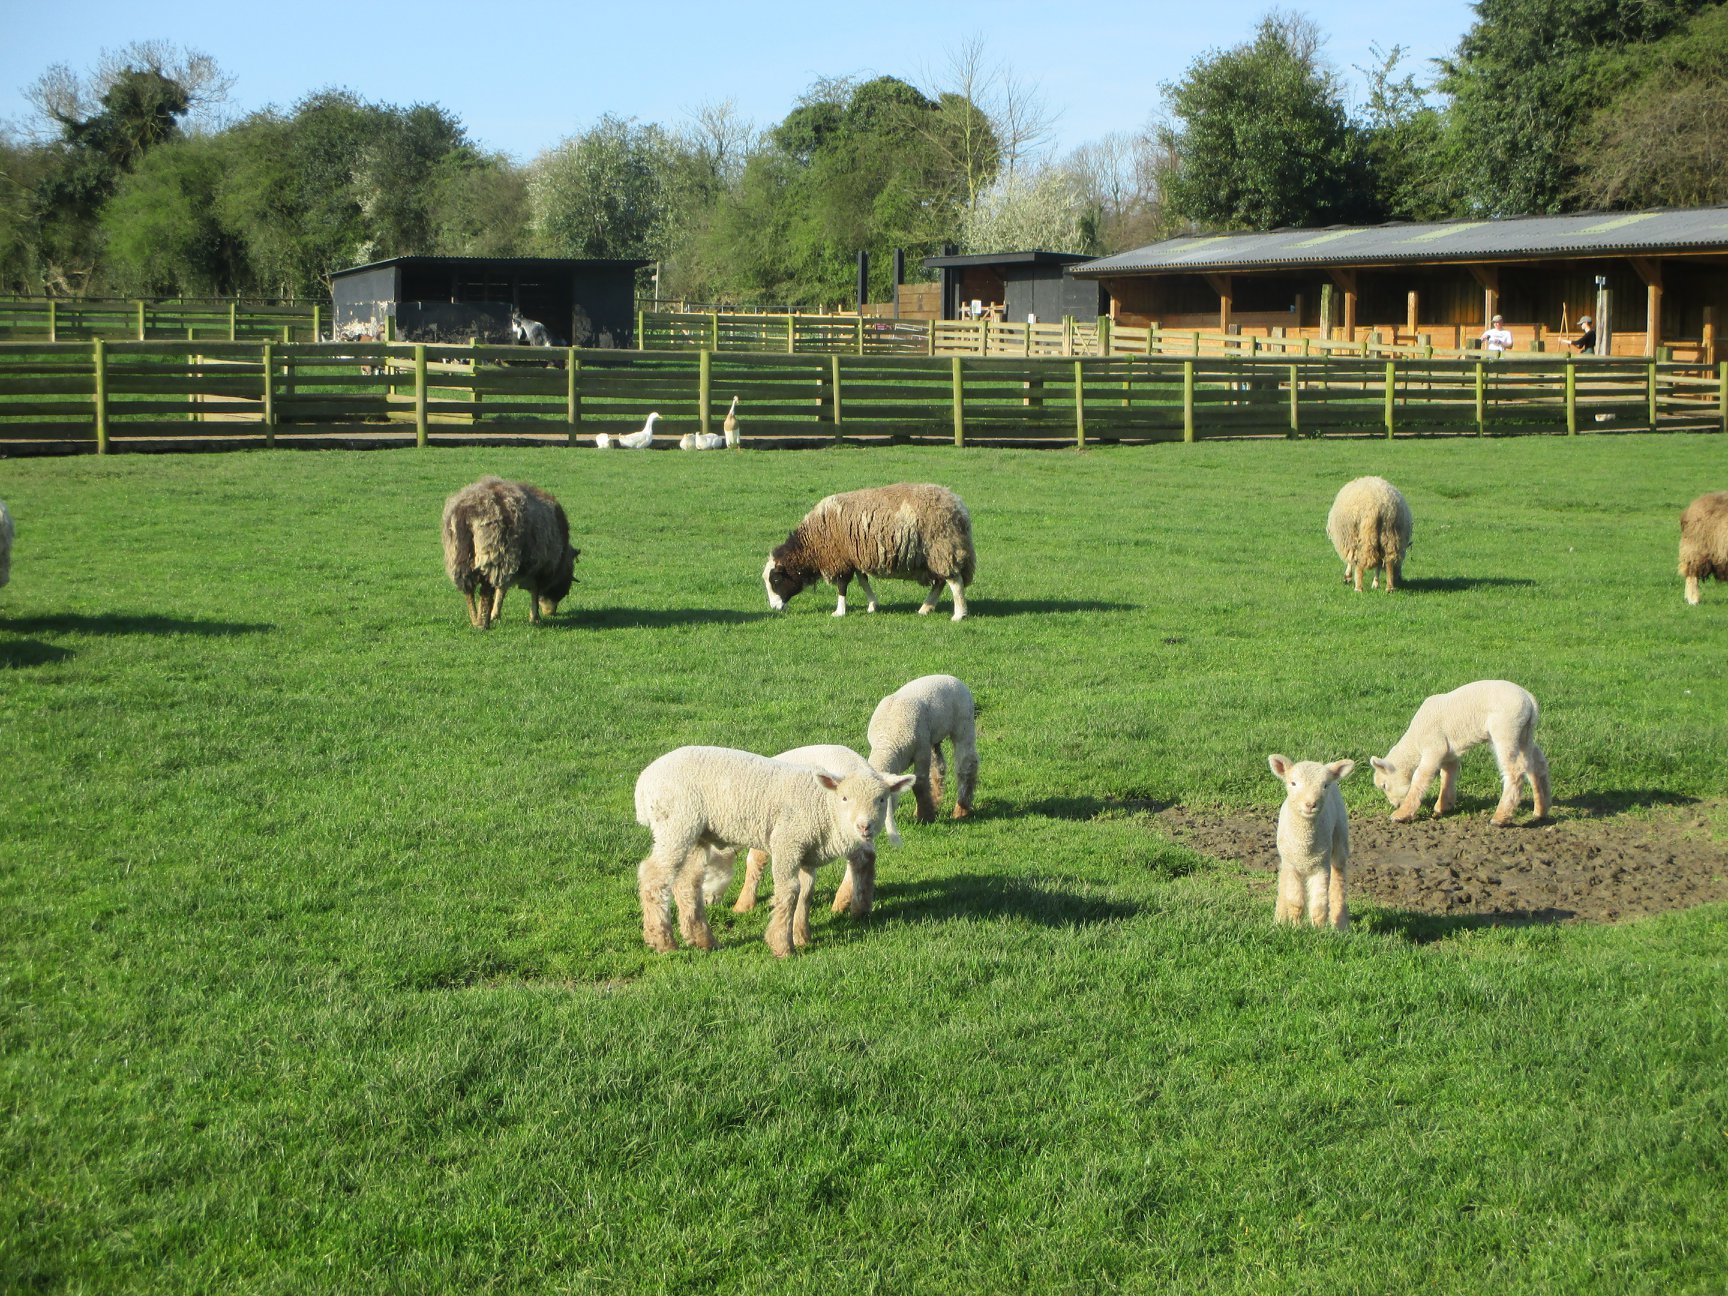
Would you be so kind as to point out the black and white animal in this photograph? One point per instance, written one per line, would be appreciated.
(498, 534)
(529, 332)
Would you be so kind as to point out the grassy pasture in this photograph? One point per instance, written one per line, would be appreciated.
(323, 969)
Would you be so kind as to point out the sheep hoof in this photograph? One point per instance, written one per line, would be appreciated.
(1501, 821)
(925, 610)
(839, 612)
(962, 812)
(1401, 817)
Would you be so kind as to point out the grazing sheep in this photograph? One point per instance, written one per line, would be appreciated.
(701, 441)
(1370, 528)
(857, 889)
(701, 800)
(5, 544)
(908, 532)
(1704, 541)
(909, 728)
(1449, 724)
(730, 426)
(1313, 842)
(498, 534)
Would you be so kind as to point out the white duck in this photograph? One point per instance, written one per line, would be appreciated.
(701, 441)
(638, 440)
(730, 426)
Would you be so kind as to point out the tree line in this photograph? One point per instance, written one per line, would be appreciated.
(130, 186)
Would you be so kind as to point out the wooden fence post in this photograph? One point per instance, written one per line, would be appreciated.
(1722, 393)
(1650, 391)
(932, 324)
(713, 330)
(860, 335)
(1481, 399)
(317, 322)
(834, 379)
(1571, 397)
(1104, 335)
(641, 336)
(234, 321)
(100, 352)
(1188, 399)
(959, 407)
(1295, 402)
(53, 321)
(572, 393)
(791, 336)
(420, 438)
(1080, 404)
(269, 398)
(704, 372)
(140, 321)
(1391, 395)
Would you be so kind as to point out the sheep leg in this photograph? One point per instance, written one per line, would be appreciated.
(843, 893)
(1358, 575)
(957, 591)
(473, 614)
(926, 804)
(860, 882)
(929, 604)
(1693, 593)
(718, 875)
(801, 910)
(1349, 571)
(1337, 911)
(778, 937)
(1419, 781)
(1290, 897)
(1448, 797)
(840, 583)
(1314, 896)
(869, 593)
(753, 865)
(1394, 574)
(938, 775)
(654, 884)
(965, 772)
(1512, 773)
(482, 596)
(1537, 771)
(687, 891)
(497, 612)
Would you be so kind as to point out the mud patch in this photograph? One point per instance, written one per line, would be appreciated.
(1576, 868)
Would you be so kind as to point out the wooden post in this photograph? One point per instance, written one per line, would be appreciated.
(1221, 285)
(704, 373)
(959, 407)
(1295, 401)
(140, 306)
(420, 394)
(317, 322)
(234, 321)
(1650, 392)
(932, 335)
(860, 335)
(714, 330)
(1709, 335)
(269, 398)
(1080, 404)
(100, 354)
(53, 321)
(572, 393)
(1410, 310)
(1104, 335)
(1481, 399)
(1571, 396)
(834, 381)
(1067, 335)
(641, 337)
(1326, 309)
(1391, 395)
(1650, 271)
(1722, 394)
(1188, 401)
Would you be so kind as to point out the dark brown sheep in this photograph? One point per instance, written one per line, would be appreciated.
(498, 534)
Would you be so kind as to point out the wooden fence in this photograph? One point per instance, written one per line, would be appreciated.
(72, 319)
(103, 395)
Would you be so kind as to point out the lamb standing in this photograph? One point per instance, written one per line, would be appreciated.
(1313, 842)
(909, 532)
(697, 798)
(1449, 724)
(1704, 541)
(498, 534)
(909, 728)
(5, 544)
(857, 889)
(1369, 526)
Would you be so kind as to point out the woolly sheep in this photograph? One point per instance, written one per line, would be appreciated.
(498, 534)
(697, 798)
(1449, 724)
(909, 728)
(5, 544)
(1704, 541)
(1369, 526)
(908, 532)
(1313, 842)
(857, 889)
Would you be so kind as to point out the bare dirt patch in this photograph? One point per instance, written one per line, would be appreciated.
(1579, 867)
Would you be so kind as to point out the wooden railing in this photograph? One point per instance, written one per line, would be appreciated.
(103, 395)
(83, 318)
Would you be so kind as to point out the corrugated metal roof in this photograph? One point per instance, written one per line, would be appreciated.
(514, 263)
(1693, 229)
(1004, 258)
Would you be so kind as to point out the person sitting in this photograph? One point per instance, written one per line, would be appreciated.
(1588, 341)
(1496, 337)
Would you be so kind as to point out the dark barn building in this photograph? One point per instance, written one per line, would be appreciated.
(586, 303)
(1013, 285)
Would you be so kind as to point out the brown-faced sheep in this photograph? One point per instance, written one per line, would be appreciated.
(908, 532)
(498, 534)
(1704, 541)
(1369, 526)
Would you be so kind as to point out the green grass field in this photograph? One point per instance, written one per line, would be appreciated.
(322, 969)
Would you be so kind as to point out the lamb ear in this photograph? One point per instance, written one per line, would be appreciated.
(898, 783)
(1342, 769)
(1280, 764)
(827, 780)
(1384, 767)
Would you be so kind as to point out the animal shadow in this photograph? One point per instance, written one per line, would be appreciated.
(1425, 929)
(623, 618)
(31, 652)
(123, 624)
(1459, 584)
(982, 895)
(1602, 805)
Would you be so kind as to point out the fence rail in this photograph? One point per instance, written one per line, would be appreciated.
(114, 319)
(103, 394)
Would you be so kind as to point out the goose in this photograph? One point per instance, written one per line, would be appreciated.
(730, 426)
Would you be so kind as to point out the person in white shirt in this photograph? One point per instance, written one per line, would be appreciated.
(1496, 337)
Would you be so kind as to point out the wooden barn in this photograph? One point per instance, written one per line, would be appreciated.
(1665, 276)
(587, 303)
(1014, 285)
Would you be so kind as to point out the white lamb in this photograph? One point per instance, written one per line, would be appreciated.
(1313, 842)
(1449, 724)
(909, 728)
(697, 798)
(857, 890)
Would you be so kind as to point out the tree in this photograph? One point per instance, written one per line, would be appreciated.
(1412, 171)
(602, 193)
(1261, 138)
(1041, 210)
(163, 232)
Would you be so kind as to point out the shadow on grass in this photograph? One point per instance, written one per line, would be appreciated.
(31, 652)
(1425, 929)
(627, 618)
(1458, 584)
(122, 624)
(1082, 808)
(981, 895)
(1601, 805)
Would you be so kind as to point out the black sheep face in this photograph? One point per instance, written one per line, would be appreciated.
(555, 593)
(782, 584)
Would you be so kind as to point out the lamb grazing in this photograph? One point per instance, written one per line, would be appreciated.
(857, 889)
(921, 533)
(701, 441)
(1370, 528)
(1313, 842)
(1704, 541)
(697, 800)
(730, 427)
(1449, 724)
(909, 728)
(498, 534)
(5, 544)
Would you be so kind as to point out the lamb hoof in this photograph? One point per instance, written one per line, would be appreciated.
(962, 812)
(1501, 821)
(661, 944)
(839, 612)
(958, 616)
(1401, 817)
(925, 610)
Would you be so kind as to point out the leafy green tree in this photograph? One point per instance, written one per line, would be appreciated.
(1261, 139)
(1044, 210)
(602, 193)
(1409, 165)
(162, 229)
(479, 207)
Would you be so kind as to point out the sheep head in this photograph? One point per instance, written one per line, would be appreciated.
(859, 803)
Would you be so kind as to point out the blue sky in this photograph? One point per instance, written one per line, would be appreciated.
(523, 77)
